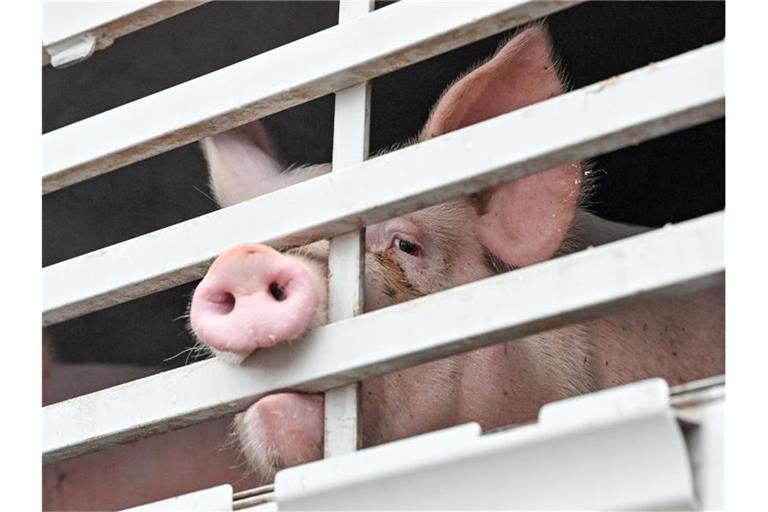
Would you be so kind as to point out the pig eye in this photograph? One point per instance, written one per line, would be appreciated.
(407, 247)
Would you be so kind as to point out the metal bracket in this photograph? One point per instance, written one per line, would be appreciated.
(72, 50)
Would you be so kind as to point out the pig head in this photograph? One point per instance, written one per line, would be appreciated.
(254, 297)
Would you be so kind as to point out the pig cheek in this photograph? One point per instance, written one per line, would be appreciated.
(318, 273)
(378, 294)
(281, 430)
(472, 266)
(410, 402)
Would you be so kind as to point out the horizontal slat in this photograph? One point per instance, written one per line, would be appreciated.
(628, 109)
(496, 309)
(372, 45)
(105, 21)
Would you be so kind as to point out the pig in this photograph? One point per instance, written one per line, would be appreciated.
(254, 297)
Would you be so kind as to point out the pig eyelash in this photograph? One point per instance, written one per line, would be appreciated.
(406, 246)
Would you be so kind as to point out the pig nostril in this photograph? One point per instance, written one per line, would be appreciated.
(277, 292)
(225, 303)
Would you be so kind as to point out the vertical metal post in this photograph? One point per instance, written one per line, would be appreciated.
(347, 252)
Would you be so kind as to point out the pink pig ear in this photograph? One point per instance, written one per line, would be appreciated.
(241, 163)
(524, 221)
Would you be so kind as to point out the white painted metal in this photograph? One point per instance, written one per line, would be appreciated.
(620, 448)
(262, 507)
(707, 444)
(71, 51)
(652, 101)
(346, 259)
(700, 405)
(73, 30)
(673, 259)
(217, 498)
(331, 60)
(341, 428)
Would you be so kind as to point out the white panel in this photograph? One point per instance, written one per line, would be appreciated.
(346, 263)
(707, 445)
(608, 406)
(659, 99)
(331, 60)
(64, 23)
(262, 507)
(700, 405)
(674, 259)
(608, 453)
(214, 499)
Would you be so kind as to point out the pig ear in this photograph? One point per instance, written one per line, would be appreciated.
(524, 221)
(241, 164)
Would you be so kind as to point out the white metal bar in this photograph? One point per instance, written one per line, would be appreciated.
(341, 427)
(700, 405)
(346, 259)
(385, 40)
(706, 442)
(670, 95)
(65, 24)
(269, 506)
(214, 499)
(505, 307)
(616, 449)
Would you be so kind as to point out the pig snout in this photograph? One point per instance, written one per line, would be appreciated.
(282, 430)
(252, 297)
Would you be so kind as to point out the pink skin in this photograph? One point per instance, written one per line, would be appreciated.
(512, 225)
(282, 420)
(140, 472)
(252, 297)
